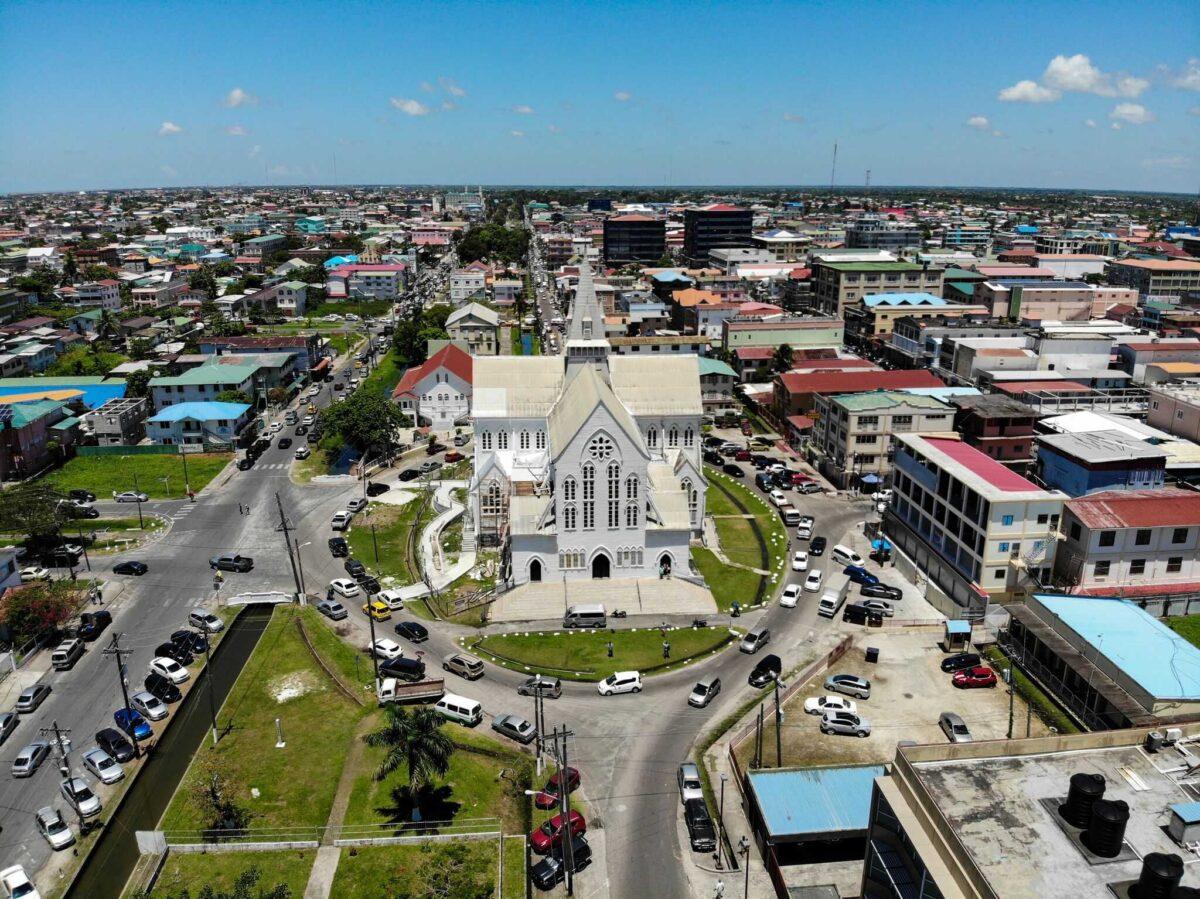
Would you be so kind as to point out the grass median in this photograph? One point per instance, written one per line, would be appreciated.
(388, 550)
(159, 477)
(220, 870)
(583, 655)
(466, 868)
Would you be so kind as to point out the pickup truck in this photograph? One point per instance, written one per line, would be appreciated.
(393, 690)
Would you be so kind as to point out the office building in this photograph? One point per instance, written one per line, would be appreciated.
(705, 228)
(873, 233)
(1155, 277)
(634, 238)
(837, 285)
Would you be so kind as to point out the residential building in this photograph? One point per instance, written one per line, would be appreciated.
(743, 261)
(311, 224)
(1155, 277)
(354, 281)
(159, 294)
(998, 426)
(795, 392)
(1123, 538)
(874, 319)
(634, 238)
(261, 247)
(104, 294)
(205, 382)
(557, 250)
(717, 225)
(875, 233)
(476, 326)
(785, 246)
(1079, 464)
(852, 437)
(307, 348)
(917, 340)
(467, 284)
(1136, 355)
(437, 393)
(506, 292)
(33, 434)
(1062, 301)
(291, 298)
(798, 332)
(1183, 456)
(717, 380)
(977, 531)
(659, 344)
(837, 285)
(119, 422)
(1175, 410)
(199, 424)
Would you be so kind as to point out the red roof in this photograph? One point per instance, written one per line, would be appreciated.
(800, 274)
(800, 422)
(455, 360)
(722, 207)
(634, 218)
(1167, 507)
(1016, 388)
(984, 466)
(755, 352)
(803, 365)
(1126, 590)
(1166, 347)
(858, 381)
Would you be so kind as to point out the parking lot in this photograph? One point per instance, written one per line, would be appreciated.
(908, 693)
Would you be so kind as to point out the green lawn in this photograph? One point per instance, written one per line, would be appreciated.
(583, 655)
(220, 870)
(728, 584)
(1187, 626)
(281, 680)
(393, 524)
(361, 308)
(105, 475)
(728, 497)
(304, 470)
(513, 886)
(385, 376)
(391, 872)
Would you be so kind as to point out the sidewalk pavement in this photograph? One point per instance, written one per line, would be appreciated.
(26, 676)
(441, 577)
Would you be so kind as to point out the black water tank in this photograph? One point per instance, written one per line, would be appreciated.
(1085, 789)
(1106, 830)
(1161, 873)
(1185, 893)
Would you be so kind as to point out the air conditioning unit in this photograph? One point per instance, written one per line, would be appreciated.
(1173, 736)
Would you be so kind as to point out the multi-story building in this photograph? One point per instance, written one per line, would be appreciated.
(798, 332)
(917, 340)
(467, 284)
(705, 228)
(1136, 355)
(291, 298)
(874, 233)
(795, 393)
(557, 250)
(1155, 277)
(437, 393)
(1050, 300)
(356, 281)
(977, 531)
(785, 246)
(972, 235)
(262, 247)
(477, 327)
(159, 295)
(1096, 461)
(104, 294)
(199, 424)
(659, 344)
(1120, 538)
(874, 318)
(119, 422)
(852, 436)
(1175, 410)
(717, 379)
(997, 426)
(837, 285)
(634, 238)
(31, 432)
(205, 382)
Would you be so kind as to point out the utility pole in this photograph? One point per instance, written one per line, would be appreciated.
(187, 482)
(564, 799)
(137, 493)
(374, 543)
(758, 738)
(83, 546)
(778, 728)
(119, 654)
(300, 562)
(212, 699)
(1011, 693)
(287, 541)
(65, 768)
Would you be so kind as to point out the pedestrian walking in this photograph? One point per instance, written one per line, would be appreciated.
(239, 508)
(610, 649)
(720, 889)
(666, 649)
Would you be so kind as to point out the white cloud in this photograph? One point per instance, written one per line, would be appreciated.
(622, 96)
(1091, 123)
(522, 109)
(409, 107)
(1189, 78)
(1028, 92)
(238, 97)
(169, 128)
(427, 87)
(979, 121)
(1116, 126)
(1133, 113)
(516, 133)
(452, 87)
(236, 131)
(255, 150)
(1077, 73)
(793, 117)
(553, 129)
(169, 171)
(1167, 162)
(448, 105)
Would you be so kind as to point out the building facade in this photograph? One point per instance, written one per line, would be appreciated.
(634, 238)
(705, 228)
(837, 285)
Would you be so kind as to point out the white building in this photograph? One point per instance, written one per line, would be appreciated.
(588, 465)
(438, 391)
(467, 284)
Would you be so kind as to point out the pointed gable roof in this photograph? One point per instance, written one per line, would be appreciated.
(450, 357)
(587, 316)
(582, 395)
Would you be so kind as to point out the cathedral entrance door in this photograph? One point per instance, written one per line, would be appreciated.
(600, 566)
(535, 570)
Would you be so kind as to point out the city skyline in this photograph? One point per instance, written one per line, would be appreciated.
(599, 95)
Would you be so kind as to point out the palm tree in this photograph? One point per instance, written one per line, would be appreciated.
(415, 740)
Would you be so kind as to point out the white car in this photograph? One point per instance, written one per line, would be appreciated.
(791, 596)
(845, 723)
(620, 682)
(804, 532)
(130, 496)
(302, 452)
(812, 583)
(332, 317)
(35, 573)
(314, 390)
(17, 884)
(80, 797)
(385, 649)
(819, 705)
(170, 669)
(883, 496)
(391, 598)
(308, 420)
(106, 769)
(149, 706)
(341, 520)
(806, 521)
(205, 621)
(800, 561)
(345, 587)
(276, 427)
(51, 825)
(779, 498)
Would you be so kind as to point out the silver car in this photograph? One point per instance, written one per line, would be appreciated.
(80, 796)
(8, 723)
(332, 609)
(514, 726)
(51, 825)
(30, 758)
(103, 765)
(955, 728)
(858, 687)
(150, 706)
(845, 723)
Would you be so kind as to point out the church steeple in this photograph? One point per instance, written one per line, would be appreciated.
(586, 340)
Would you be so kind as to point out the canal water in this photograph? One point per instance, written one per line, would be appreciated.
(106, 870)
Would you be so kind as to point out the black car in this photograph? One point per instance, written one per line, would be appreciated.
(403, 668)
(161, 688)
(84, 496)
(92, 624)
(193, 641)
(711, 441)
(301, 430)
(961, 661)
(338, 547)
(374, 489)
(767, 670)
(285, 442)
(409, 474)
(86, 512)
(712, 457)
(701, 833)
(176, 651)
(369, 585)
(131, 567)
(245, 464)
(734, 471)
(881, 591)
(816, 546)
(410, 630)
(552, 869)
(115, 744)
(355, 568)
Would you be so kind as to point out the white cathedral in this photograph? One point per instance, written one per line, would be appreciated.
(587, 464)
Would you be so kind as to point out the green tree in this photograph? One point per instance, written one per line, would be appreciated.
(137, 383)
(365, 421)
(35, 610)
(41, 282)
(446, 871)
(782, 360)
(310, 274)
(233, 396)
(97, 359)
(70, 270)
(215, 792)
(33, 509)
(205, 280)
(415, 741)
(160, 224)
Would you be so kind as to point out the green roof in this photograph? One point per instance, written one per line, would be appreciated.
(266, 238)
(961, 274)
(710, 366)
(884, 399)
(872, 266)
(26, 413)
(65, 424)
(90, 315)
(293, 285)
(208, 374)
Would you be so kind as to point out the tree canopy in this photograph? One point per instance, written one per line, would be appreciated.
(365, 421)
(493, 241)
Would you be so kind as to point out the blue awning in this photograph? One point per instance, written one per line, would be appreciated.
(881, 543)
(871, 479)
(958, 626)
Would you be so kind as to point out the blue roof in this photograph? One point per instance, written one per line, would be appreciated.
(95, 393)
(1046, 282)
(815, 801)
(1188, 811)
(672, 275)
(958, 626)
(335, 261)
(1156, 658)
(903, 299)
(202, 411)
(1026, 229)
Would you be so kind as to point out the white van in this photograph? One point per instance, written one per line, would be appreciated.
(590, 615)
(844, 555)
(790, 515)
(831, 601)
(459, 708)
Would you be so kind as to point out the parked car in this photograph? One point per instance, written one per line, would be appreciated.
(338, 547)
(732, 470)
(411, 631)
(515, 727)
(819, 705)
(377, 610)
(148, 705)
(302, 452)
(8, 723)
(245, 463)
(131, 721)
(130, 496)
(878, 607)
(206, 622)
(859, 575)
(131, 567)
(356, 505)
(92, 624)
(851, 685)
(169, 669)
(688, 779)
(177, 651)
(453, 456)
(790, 596)
(50, 824)
(383, 648)
(374, 489)
(103, 766)
(344, 587)
(960, 661)
(85, 496)
(550, 834)
(409, 474)
(971, 678)
(803, 532)
(392, 598)
(465, 666)
(881, 591)
(35, 573)
(429, 466)
(332, 609)
(17, 884)
(845, 723)
(341, 520)
(809, 487)
(704, 692)
(767, 670)
(778, 498)
(566, 778)
(800, 561)
(702, 835)
(816, 546)
(232, 562)
(812, 583)
(32, 697)
(541, 685)
(355, 568)
(553, 868)
(195, 642)
(30, 758)
(954, 728)
(80, 797)
(114, 743)
(162, 688)
(620, 682)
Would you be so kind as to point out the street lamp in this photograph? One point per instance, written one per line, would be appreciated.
(721, 822)
(744, 851)
(300, 562)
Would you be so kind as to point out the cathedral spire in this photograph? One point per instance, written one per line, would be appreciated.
(586, 340)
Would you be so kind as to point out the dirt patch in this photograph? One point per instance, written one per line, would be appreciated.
(292, 686)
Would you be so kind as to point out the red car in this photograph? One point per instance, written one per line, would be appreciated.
(975, 677)
(548, 798)
(550, 834)
(747, 430)
(454, 456)
(742, 455)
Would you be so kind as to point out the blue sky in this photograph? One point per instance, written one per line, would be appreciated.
(1054, 94)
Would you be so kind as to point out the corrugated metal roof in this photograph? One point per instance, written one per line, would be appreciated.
(202, 411)
(815, 801)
